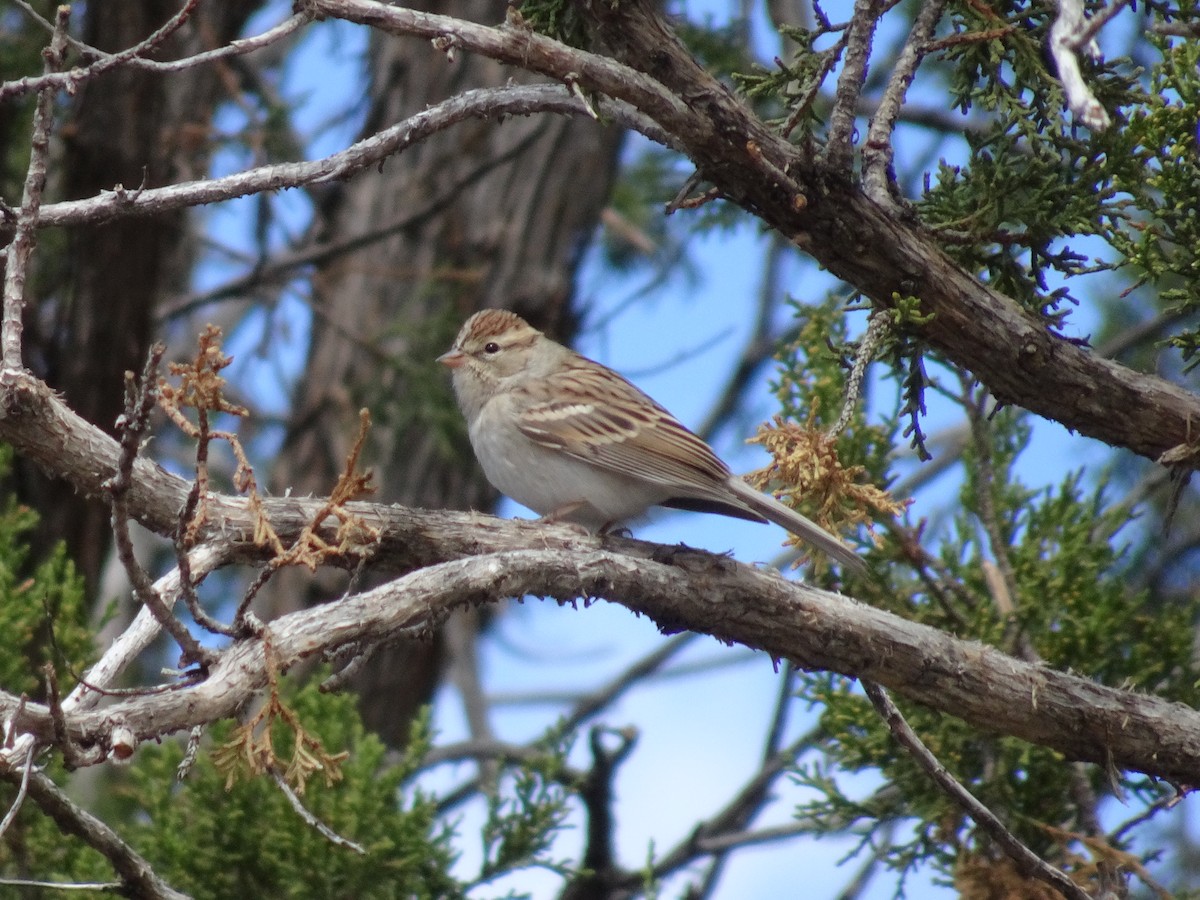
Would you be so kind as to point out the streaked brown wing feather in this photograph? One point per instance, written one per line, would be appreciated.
(611, 424)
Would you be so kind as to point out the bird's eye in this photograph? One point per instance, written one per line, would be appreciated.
(491, 347)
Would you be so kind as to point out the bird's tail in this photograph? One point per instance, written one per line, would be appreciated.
(805, 529)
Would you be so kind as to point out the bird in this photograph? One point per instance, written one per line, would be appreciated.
(575, 441)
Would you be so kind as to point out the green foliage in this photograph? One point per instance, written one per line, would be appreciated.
(34, 847)
(559, 19)
(245, 840)
(1077, 614)
(248, 842)
(788, 90)
(43, 615)
(1157, 225)
(519, 829)
(1035, 186)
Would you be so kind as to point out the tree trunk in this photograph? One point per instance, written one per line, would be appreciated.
(129, 127)
(480, 216)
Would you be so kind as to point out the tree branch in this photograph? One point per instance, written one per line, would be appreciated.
(511, 100)
(474, 559)
(879, 179)
(16, 264)
(1029, 862)
(885, 255)
(139, 880)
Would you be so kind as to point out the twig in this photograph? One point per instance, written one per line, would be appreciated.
(104, 887)
(880, 845)
(475, 749)
(839, 149)
(190, 516)
(62, 740)
(138, 878)
(804, 103)
(1065, 40)
(600, 872)
(1028, 861)
(1005, 594)
(20, 250)
(12, 737)
(187, 585)
(190, 753)
(312, 821)
(511, 100)
(877, 327)
(139, 635)
(26, 768)
(681, 196)
(1176, 29)
(737, 813)
(723, 843)
(132, 425)
(1088, 33)
(281, 268)
(606, 695)
(70, 81)
(879, 179)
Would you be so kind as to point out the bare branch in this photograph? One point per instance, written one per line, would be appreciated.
(860, 33)
(138, 878)
(1069, 34)
(519, 100)
(140, 633)
(1028, 366)
(877, 329)
(878, 178)
(134, 57)
(678, 589)
(110, 887)
(133, 423)
(15, 808)
(310, 820)
(1028, 861)
(21, 249)
(1088, 33)
(279, 268)
(721, 832)
(1006, 347)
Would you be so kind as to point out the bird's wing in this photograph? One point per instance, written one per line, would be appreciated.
(608, 422)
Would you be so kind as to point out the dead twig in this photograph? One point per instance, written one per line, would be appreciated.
(1028, 861)
(20, 250)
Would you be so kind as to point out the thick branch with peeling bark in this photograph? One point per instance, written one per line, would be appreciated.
(462, 558)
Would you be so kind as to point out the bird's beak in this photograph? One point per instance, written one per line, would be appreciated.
(453, 358)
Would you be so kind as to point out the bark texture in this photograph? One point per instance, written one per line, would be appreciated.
(131, 127)
(482, 215)
(460, 560)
